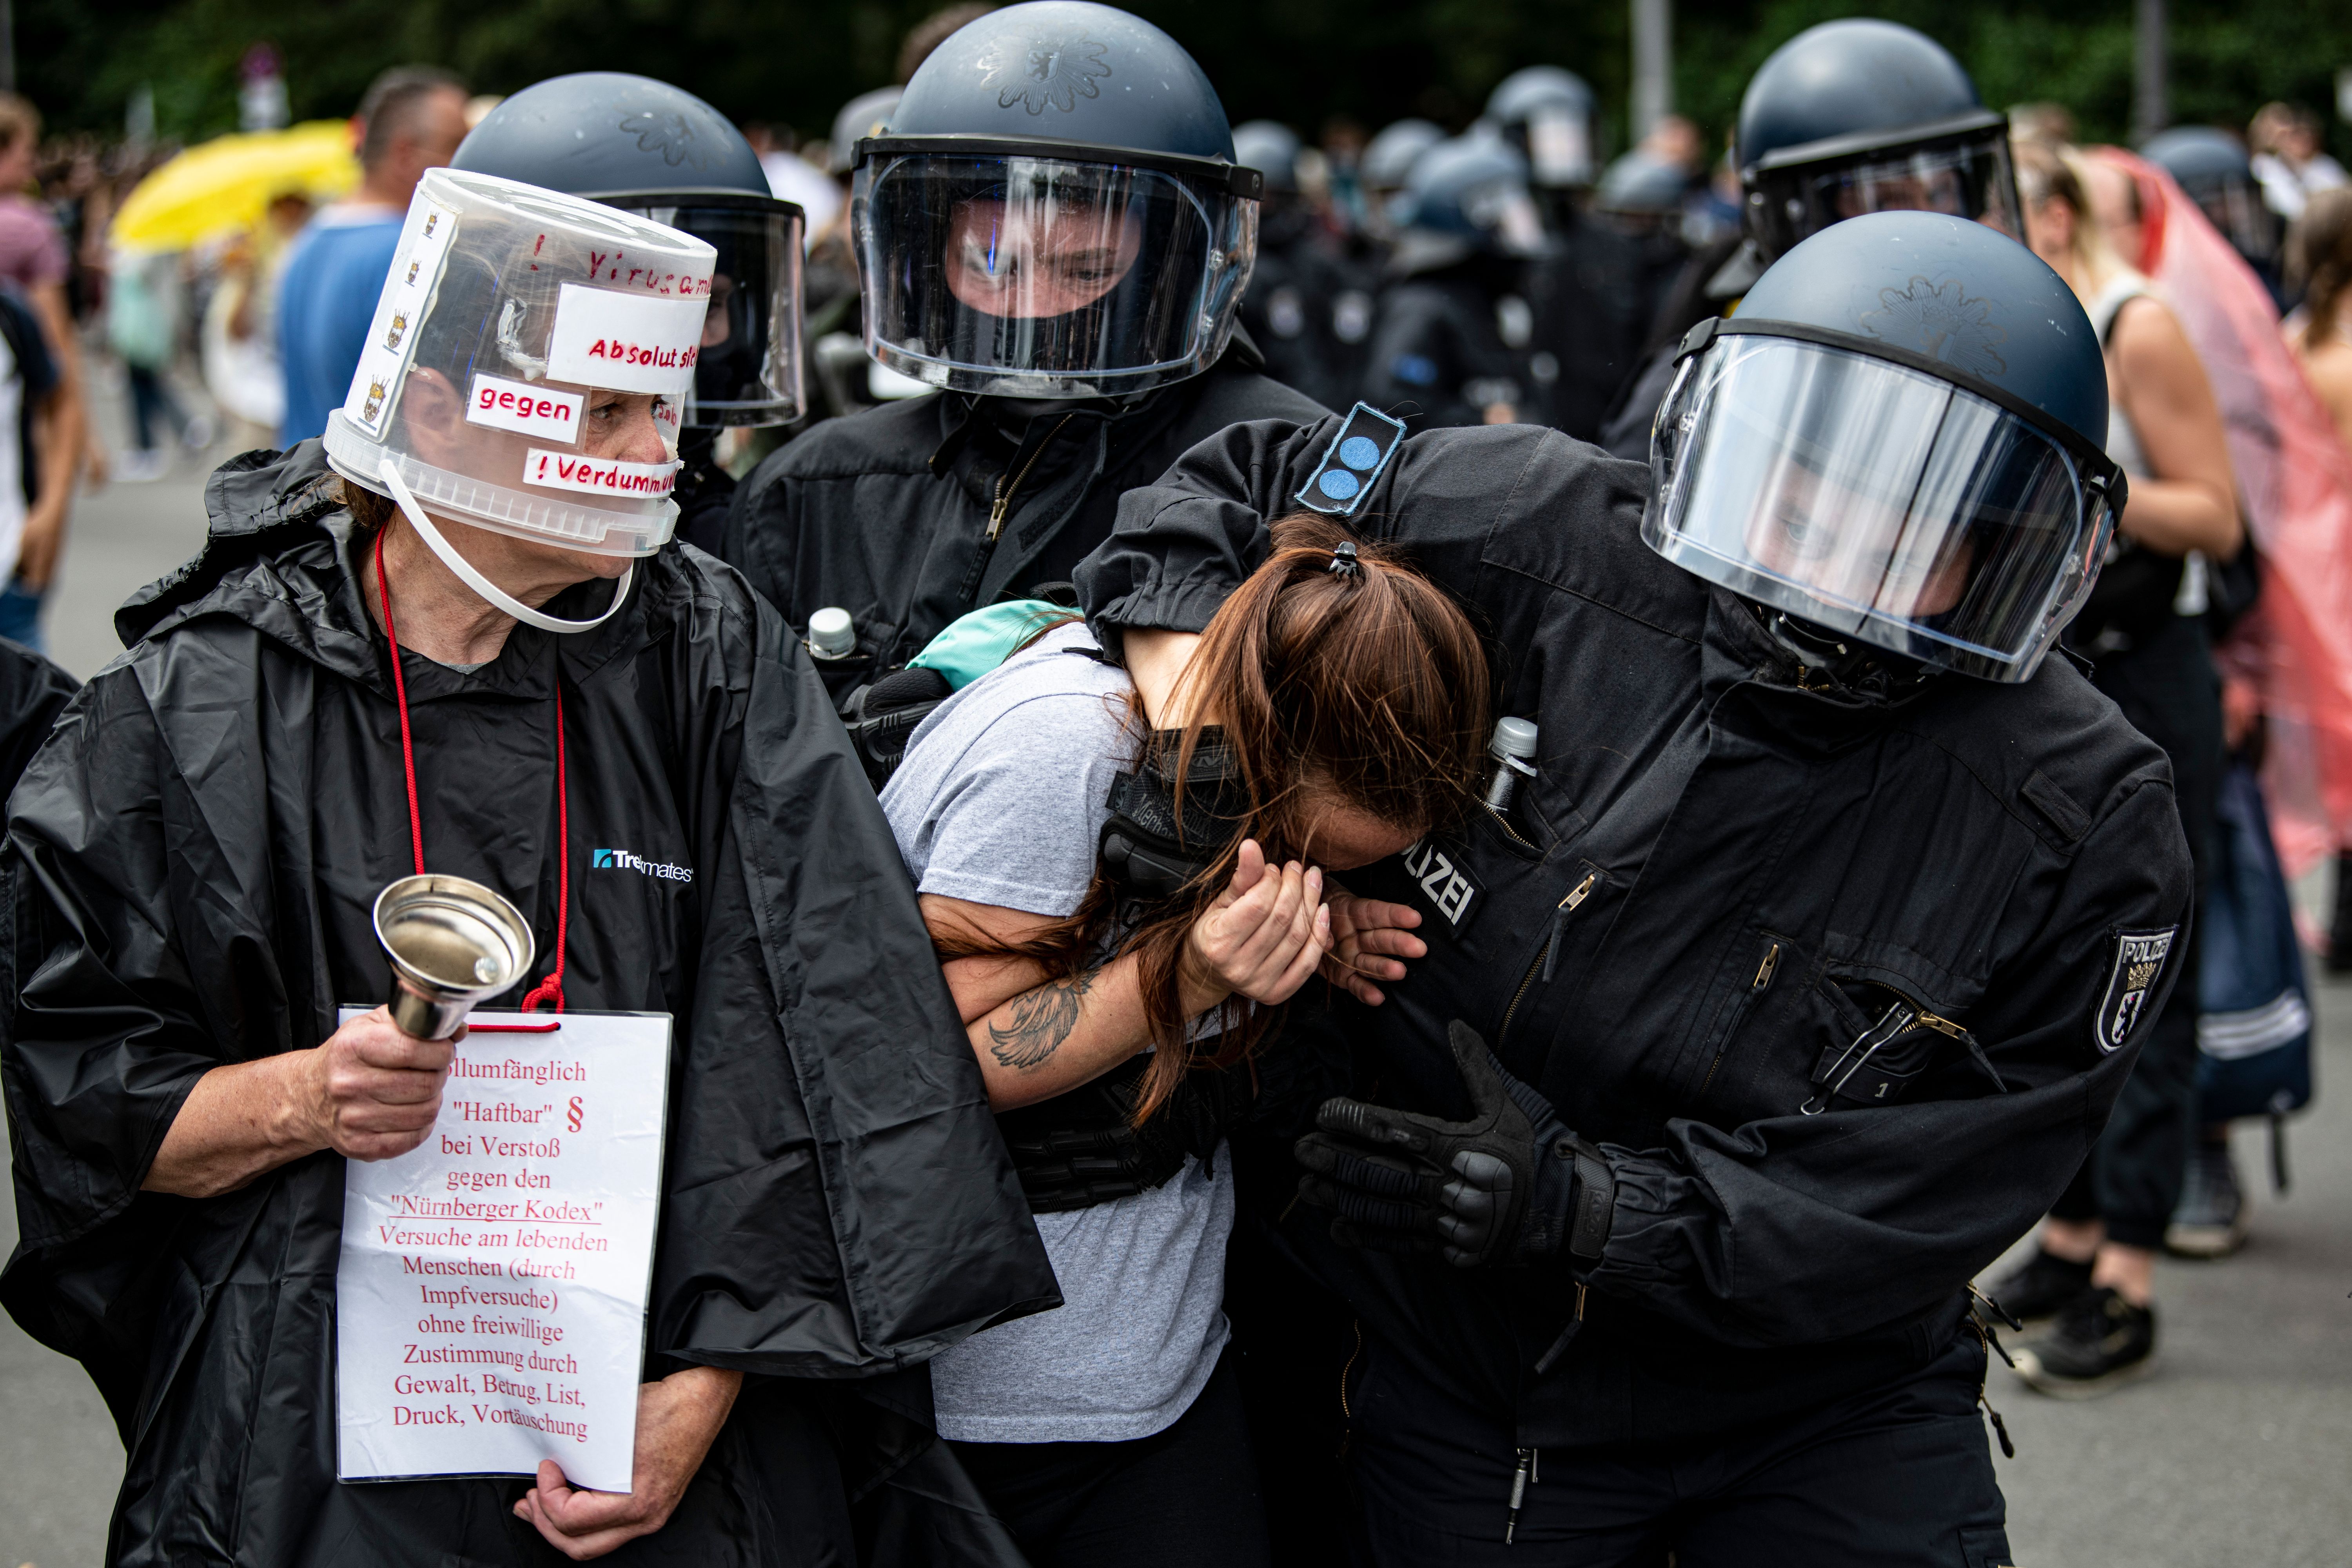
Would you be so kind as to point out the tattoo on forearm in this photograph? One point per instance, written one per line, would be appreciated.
(1042, 1020)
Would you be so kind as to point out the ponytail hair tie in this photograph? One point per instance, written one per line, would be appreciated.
(1343, 560)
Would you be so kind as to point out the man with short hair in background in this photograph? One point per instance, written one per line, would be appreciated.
(410, 120)
(33, 261)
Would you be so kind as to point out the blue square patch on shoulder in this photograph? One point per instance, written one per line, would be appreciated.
(1365, 443)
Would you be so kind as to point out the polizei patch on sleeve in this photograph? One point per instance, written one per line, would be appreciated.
(1353, 460)
(1443, 877)
(2139, 961)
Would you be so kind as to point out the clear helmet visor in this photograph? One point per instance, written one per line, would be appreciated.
(528, 364)
(1875, 500)
(1965, 177)
(1040, 277)
(749, 370)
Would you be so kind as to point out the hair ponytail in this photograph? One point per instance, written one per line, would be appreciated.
(1363, 686)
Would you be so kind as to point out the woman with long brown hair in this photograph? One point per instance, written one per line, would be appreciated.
(1119, 947)
(2142, 627)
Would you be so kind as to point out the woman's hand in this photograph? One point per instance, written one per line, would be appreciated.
(1368, 938)
(1261, 939)
(677, 1420)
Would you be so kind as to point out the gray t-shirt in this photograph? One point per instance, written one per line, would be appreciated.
(1000, 800)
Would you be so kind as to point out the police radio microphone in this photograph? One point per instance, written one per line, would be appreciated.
(1514, 741)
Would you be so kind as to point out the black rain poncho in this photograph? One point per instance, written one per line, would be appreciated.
(197, 849)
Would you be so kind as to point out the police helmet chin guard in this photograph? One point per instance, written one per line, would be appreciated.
(527, 366)
(662, 153)
(1859, 116)
(1054, 211)
(1898, 440)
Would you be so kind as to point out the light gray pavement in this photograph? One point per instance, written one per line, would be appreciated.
(2238, 1451)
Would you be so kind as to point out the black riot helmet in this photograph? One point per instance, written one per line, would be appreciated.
(1863, 116)
(1547, 113)
(1899, 439)
(1055, 210)
(2213, 171)
(656, 149)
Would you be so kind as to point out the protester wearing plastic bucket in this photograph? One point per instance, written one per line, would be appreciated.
(461, 653)
(525, 373)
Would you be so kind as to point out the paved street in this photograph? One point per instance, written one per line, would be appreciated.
(2238, 1451)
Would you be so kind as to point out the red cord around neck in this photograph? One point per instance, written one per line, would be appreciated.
(551, 988)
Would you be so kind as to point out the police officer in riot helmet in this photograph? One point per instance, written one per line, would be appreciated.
(1449, 344)
(1815, 933)
(646, 147)
(1054, 234)
(1306, 308)
(1850, 117)
(1584, 288)
(2215, 173)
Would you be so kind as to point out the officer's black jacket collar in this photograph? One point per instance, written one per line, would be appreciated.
(1830, 703)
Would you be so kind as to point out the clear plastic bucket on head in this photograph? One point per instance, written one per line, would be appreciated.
(1045, 277)
(1875, 501)
(527, 365)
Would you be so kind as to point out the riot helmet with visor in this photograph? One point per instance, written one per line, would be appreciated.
(1054, 211)
(1899, 439)
(1859, 116)
(1546, 114)
(2213, 170)
(651, 149)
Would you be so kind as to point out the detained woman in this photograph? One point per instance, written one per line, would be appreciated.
(1118, 948)
(2093, 1274)
(449, 640)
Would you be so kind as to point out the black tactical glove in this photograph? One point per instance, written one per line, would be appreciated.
(1510, 1185)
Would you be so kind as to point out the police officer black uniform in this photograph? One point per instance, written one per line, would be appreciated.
(1584, 288)
(645, 146)
(1308, 307)
(1795, 983)
(1850, 117)
(1449, 344)
(1053, 232)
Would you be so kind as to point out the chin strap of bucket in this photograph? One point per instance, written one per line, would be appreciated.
(389, 472)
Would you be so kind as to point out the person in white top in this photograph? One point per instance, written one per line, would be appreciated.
(1114, 1009)
(2094, 1274)
(2288, 158)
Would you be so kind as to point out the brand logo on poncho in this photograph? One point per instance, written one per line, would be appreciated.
(2138, 964)
(624, 860)
(399, 330)
(1058, 69)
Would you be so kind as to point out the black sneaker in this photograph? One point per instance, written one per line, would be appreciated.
(2211, 1219)
(2097, 1343)
(2040, 1287)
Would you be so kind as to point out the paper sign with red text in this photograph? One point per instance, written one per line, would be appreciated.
(598, 476)
(531, 410)
(624, 342)
(490, 1301)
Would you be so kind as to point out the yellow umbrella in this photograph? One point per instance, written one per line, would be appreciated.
(226, 183)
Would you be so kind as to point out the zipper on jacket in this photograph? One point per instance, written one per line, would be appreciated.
(1007, 485)
(1548, 960)
(1756, 987)
(1906, 1014)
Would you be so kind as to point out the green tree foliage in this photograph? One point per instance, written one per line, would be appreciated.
(795, 61)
